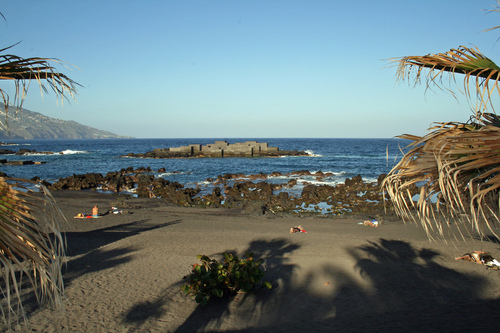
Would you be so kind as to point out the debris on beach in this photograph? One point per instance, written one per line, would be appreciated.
(86, 216)
(481, 257)
(370, 223)
(115, 210)
(297, 229)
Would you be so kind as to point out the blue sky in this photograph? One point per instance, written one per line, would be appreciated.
(247, 69)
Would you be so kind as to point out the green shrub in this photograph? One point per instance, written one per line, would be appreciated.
(226, 277)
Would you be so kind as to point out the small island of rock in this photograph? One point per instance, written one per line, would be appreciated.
(220, 149)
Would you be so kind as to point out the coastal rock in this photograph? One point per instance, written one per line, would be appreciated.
(381, 178)
(143, 182)
(258, 176)
(211, 200)
(354, 181)
(275, 174)
(219, 149)
(21, 162)
(118, 181)
(254, 196)
(78, 182)
(172, 192)
(312, 194)
(300, 173)
(143, 170)
(183, 197)
(33, 151)
(228, 176)
(283, 203)
(256, 207)
(6, 151)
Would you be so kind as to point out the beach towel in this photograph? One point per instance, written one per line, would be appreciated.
(86, 216)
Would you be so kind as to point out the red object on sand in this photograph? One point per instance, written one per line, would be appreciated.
(297, 229)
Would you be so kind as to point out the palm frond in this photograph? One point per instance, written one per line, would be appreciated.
(23, 70)
(496, 10)
(29, 246)
(457, 167)
(484, 73)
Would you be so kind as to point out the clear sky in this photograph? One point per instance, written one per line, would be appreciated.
(246, 69)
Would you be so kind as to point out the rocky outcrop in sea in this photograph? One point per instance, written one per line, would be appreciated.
(219, 149)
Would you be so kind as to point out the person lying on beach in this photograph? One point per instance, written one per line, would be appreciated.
(476, 256)
(480, 257)
(372, 223)
(297, 229)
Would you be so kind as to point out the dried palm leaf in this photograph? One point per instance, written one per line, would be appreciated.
(468, 61)
(22, 71)
(29, 246)
(460, 165)
(497, 10)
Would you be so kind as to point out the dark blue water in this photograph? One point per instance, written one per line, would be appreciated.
(344, 158)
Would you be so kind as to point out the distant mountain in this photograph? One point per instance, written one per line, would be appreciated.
(33, 125)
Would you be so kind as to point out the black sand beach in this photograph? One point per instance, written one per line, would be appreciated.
(124, 271)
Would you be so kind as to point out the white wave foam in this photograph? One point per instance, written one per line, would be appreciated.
(319, 182)
(71, 152)
(166, 174)
(312, 154)
(172, 173)
(36, 154)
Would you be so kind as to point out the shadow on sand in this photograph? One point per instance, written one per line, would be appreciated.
(89, 254)
(273, 252)
(395, 287)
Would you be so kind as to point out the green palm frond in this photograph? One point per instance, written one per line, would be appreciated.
(29, 245)
(467, 61)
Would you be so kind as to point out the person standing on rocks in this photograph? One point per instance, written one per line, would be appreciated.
(151, 191)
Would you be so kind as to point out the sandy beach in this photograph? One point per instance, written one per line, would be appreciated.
(124, 273)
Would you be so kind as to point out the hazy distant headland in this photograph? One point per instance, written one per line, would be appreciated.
(25, 124)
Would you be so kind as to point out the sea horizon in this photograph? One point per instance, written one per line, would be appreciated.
(340, 157)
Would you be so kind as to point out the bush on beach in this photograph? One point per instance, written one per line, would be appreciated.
(226, 277)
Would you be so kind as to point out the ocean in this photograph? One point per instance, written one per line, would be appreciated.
(343, 158)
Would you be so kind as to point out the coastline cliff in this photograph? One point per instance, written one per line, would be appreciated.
(25, 124)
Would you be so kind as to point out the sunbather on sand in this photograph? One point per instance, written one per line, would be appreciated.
(95, 211)
(479, 257)
(371, 223)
